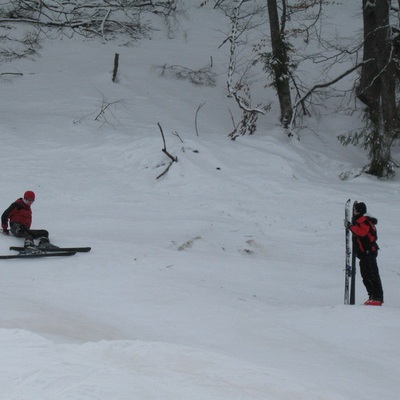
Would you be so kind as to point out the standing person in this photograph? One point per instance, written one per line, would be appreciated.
(19, 215)
(364, 236)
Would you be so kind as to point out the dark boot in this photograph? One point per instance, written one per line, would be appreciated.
(44, 243)
(29, 243)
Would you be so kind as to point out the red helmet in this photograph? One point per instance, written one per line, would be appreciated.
(29, 195)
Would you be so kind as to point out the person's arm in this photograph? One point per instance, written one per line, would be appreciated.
(360, 229)
(4, 217)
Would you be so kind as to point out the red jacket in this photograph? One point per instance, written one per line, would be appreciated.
(19, 212)
(365, 234)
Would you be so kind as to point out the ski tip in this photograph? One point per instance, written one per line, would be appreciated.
(36, 255)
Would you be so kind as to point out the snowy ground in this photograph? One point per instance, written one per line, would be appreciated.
(221, 280)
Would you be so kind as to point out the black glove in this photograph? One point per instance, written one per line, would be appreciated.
(5, 229)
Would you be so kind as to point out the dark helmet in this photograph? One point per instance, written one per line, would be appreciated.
(360, 208)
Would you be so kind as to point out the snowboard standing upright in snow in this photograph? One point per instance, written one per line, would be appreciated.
(349, 266)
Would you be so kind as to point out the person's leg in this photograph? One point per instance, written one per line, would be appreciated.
(370, 276)
(374, 277)
(365, 276)
(39, 233)
(21, 231)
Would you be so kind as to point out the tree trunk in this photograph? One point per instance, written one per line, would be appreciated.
(369, 89)
(280, 64)
(377, 85)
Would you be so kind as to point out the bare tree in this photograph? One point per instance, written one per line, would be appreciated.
(240, 89)
(377, 88)
(101, 18)
(279, 61)
(277, 56)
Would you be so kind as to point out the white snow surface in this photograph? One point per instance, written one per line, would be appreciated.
(221, 280)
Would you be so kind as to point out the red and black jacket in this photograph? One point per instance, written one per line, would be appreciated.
(19, 212)
(365, 235)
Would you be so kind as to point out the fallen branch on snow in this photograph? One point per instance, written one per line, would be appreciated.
(164, 150)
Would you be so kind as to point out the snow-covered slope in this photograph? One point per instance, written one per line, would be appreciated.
(221, 280)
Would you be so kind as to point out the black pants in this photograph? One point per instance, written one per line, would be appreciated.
(370, 275)
(20, 230)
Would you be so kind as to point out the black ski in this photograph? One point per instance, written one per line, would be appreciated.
(37, 255)
(348, 252)
(55, 249)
